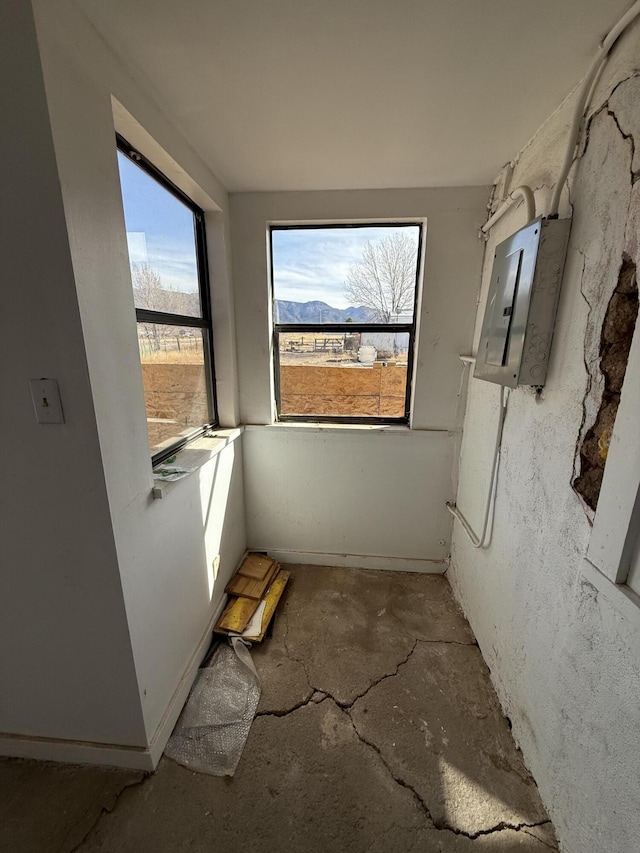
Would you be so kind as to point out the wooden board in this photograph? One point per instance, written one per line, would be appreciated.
(236, 615)
(250, 587)
(272, 598)
(256, 566)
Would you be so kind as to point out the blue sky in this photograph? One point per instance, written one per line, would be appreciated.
(308, 263)
(159, 228)
(312, 263)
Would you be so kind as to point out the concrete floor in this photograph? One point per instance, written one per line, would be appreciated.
(378, 730)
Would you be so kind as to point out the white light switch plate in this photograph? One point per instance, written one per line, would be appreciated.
(46, 401)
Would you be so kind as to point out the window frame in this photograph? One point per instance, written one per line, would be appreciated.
(410, 328)
(614, 542)
(163, 318)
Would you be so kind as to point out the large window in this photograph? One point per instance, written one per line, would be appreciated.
(344, 308)
(167, 253)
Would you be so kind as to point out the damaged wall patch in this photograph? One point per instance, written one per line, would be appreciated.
(615, 343)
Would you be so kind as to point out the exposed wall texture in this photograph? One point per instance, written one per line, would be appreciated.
(565, 657)
(618, 329)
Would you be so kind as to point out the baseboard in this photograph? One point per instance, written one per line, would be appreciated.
(75, 752)
(114, 755)
(360, 561)
(139, 758)
(176, 704)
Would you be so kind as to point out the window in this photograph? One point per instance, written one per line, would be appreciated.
(168, 258)
(344, 309)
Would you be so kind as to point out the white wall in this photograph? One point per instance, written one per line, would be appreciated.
(356, 464)
(66, 665)
(320, 493)
(562, 642)
(122, 581)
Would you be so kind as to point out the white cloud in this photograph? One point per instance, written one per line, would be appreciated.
(313, 263)
(174, 261)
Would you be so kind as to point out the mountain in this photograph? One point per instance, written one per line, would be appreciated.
(319, 312)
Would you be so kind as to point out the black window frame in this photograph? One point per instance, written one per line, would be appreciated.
(350, 328)
(205, 321)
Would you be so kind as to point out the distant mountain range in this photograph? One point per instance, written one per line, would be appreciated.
(320, 312)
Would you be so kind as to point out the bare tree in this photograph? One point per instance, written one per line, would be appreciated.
(147, 284)
(385, 279)
(147, 290)
(149, 293)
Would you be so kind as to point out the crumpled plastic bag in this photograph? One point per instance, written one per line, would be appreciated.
(214, 724)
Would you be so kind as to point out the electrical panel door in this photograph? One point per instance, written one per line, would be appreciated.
(521, 305)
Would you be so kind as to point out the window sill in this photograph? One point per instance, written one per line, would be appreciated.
(196, 455)
(323, 427)
(620, 596)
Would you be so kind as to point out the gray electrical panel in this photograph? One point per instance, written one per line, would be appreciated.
(522, 303)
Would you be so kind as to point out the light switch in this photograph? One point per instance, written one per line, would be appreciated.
(46, 401)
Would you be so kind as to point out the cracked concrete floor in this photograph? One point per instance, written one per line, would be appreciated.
(377, 731)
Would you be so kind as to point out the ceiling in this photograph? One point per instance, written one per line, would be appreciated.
(346, 94)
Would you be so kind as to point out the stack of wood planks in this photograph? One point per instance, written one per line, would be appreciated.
(258, 580)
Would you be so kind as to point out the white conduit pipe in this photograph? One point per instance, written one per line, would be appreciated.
(482, 541)
(525, 193)
(583, 100)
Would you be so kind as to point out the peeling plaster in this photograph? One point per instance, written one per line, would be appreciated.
(604, 176)
(615, 342)
(564, 664)
(623, 104)
(608, 145)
